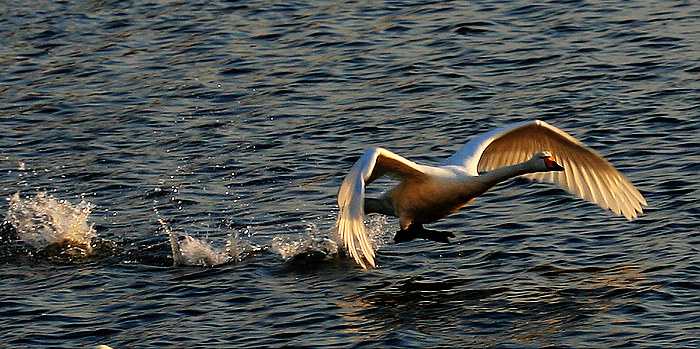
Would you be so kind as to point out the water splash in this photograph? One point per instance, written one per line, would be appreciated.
(239, 248)
(316, 245)
(51, 225)
(190, 251)
(379, 230)
(312, 246)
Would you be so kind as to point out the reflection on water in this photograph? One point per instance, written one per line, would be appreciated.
(576, 300)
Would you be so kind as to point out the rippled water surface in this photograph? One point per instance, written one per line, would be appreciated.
(178, 135)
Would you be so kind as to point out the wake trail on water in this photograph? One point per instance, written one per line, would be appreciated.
(45, 227)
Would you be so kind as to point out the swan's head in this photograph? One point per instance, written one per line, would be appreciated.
(546, 162)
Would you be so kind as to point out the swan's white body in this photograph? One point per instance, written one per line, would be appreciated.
(426, 194)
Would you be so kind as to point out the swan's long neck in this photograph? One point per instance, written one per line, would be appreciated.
(493, 177)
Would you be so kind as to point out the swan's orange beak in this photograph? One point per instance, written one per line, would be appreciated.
(552, 164)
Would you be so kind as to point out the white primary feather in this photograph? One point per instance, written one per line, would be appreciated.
(371, 165)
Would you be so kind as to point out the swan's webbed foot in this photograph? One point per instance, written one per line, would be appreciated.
(416, 231)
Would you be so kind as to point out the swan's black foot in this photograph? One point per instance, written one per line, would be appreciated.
(416, 231)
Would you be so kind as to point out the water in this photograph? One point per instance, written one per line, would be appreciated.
(229, 126)
(43, 221)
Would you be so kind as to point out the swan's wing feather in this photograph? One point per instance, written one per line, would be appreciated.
(586, 173)
(469, 155)
(351, 197)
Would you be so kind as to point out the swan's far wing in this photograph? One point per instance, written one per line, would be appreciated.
(351, 197)
(470, 154)
(586, 173)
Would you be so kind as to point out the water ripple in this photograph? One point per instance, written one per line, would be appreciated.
(239, 119)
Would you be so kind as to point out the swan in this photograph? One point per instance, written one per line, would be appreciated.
(425, 194)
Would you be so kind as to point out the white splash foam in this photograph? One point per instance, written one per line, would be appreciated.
(318, 246)
(379, 230)
(190, 251)
(43, 221)
(313, 244)
(238, 247)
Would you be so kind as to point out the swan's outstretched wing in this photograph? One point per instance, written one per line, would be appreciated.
(351, 197)
(586, 173)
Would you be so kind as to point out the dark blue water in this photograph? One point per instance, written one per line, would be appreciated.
(235, 122)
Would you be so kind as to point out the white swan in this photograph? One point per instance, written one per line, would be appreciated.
(426, 194)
